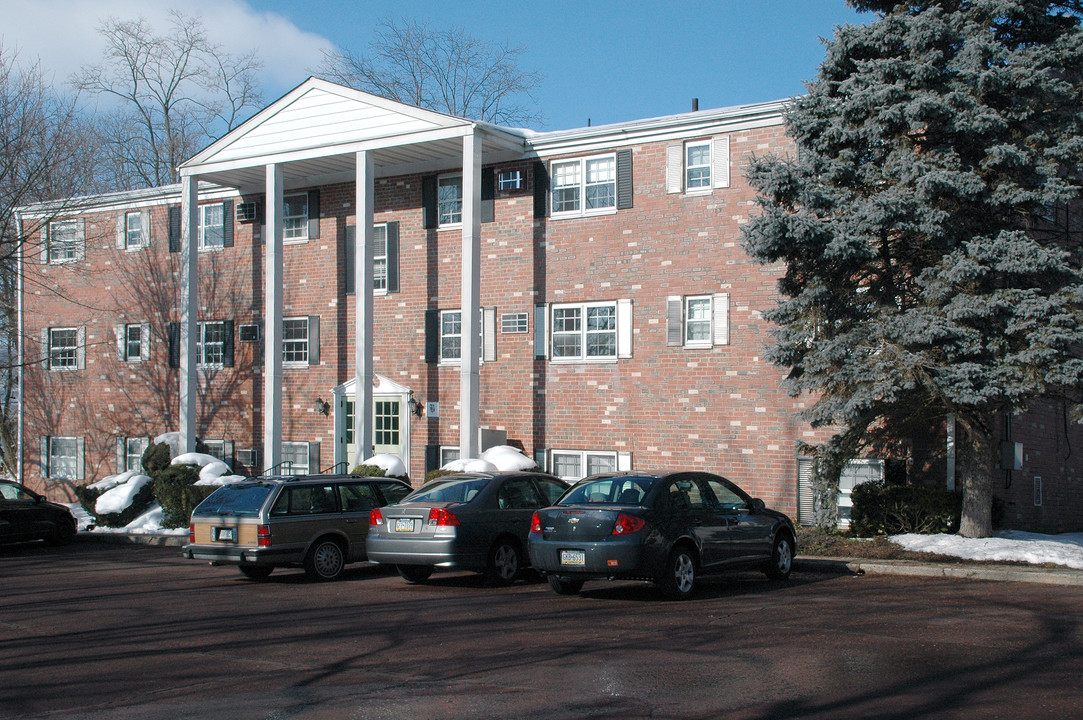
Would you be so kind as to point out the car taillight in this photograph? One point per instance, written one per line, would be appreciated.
(535, 524)
(376, 517)
(442, 516)
(627, 524)
(192, 533)
(263, 535)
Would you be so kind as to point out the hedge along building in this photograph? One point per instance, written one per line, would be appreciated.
(582, 294)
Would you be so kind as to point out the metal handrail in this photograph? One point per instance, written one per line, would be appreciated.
(287, 463)
(334, 468)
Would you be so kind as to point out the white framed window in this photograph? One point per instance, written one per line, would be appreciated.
(510, 180)
(134, 342)
(574, 465)
(64, 348)
(295, 217)
(584, 186)
(698, 321)
(295, 459)
(697, 166)
(451, 335)
(65, 241)
(514, 323)
(62, 457)
(449, 200)
(211, 227)
(135, 235)
(295, 341)
(379, 258)
(134, 447)
(448, 453)
(585, 331)
(211, 347)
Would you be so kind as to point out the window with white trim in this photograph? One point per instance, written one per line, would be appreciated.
(64, 241)
(135, 235)
(295, 341)
(451, 335)
(585, 331)
(448, 453)
(510, 180)
(63, 458)
(211, 346)
(294, 459)
(449, 200)
(295, 217)
(379, 258)
(63, 348)
(574, 465)
(697, 166)
(134, 342)
(134, 447)
(584, 186)
(212, 234)
(698, 320)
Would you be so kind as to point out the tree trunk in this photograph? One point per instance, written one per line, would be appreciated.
(978, 462)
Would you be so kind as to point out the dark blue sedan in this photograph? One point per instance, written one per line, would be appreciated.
(667, 528)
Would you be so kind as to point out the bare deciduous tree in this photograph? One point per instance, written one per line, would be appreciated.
(443, 70)
(174, 93)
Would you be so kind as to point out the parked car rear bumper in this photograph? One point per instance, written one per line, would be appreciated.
(439, 552)
(613, 557)
(217, 554)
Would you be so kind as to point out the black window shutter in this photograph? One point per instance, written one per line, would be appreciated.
(432, 458)
(313, 458)
(313, 214)
(541, 190)
(432, 336)
(392, 257)
(227, 223)
(624, 179)
(227, 346)
(174, 344)
(348, 260)
(428, 202)
(488, 195)
(313, 340)
(174, 228)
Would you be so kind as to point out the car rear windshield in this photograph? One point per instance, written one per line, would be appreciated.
(463, 490)
(243, 500)
(623, 490)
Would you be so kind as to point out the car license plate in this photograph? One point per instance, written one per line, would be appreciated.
(226, 535)
(404, 525)
(576, 558)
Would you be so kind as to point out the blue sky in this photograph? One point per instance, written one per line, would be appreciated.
(603, 60)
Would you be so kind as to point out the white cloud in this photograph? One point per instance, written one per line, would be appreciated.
(63, 34)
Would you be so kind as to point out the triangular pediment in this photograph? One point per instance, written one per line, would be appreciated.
(380, 386)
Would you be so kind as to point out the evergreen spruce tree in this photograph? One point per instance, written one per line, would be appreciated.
(930, 227)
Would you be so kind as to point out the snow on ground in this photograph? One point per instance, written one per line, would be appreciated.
(1008, 545)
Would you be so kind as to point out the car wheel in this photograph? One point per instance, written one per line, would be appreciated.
(781, 563)
(325, 560)
(256, 572)
(679, 574)
(564, 586)
(64, 533)
(505, 562)
(414, 573)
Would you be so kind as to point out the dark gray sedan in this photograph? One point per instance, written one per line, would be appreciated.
(472, 521)
(25, 515)
(663, 527)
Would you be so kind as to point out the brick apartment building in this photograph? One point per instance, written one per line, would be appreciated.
(581, 294)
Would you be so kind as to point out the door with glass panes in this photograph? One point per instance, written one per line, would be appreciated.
(387, 436)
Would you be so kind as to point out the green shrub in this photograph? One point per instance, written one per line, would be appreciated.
(156, 458)
(897, 509)
(178, 494)
(368, 471)
(88, 498)
(433, 474)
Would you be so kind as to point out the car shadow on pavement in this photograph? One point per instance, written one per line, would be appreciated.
(708, 588)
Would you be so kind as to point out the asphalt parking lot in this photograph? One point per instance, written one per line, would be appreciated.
(105, 631)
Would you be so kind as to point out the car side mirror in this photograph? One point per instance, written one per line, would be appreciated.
(758, 505)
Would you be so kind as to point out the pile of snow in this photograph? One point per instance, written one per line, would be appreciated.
(173, 440)
(392, 464)
(500, 458)
(1008, 545)
(212, 470)
(119, 491)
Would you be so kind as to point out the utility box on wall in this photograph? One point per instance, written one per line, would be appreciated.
(1011, 456)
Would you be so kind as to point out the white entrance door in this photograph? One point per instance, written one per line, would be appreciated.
(387, 436)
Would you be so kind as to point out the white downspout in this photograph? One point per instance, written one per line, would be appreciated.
(21, 352)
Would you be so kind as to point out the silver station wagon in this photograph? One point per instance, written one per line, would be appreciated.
(318, 522)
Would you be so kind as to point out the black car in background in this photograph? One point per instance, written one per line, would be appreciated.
(25, 515)
(667, 528)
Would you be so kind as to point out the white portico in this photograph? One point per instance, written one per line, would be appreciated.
(317, 134)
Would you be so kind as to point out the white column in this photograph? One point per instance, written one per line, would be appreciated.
(470, 383)
(272, 320)
(363, 260)
(189, 311)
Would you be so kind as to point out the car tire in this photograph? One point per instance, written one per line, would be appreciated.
(325, 560)
(781, 562)
(256, 572)
(505, 562)
(565, 586)
(678, 580)
(64, 533)
(414, 573)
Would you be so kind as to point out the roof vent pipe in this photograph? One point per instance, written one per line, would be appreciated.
(695, 104)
